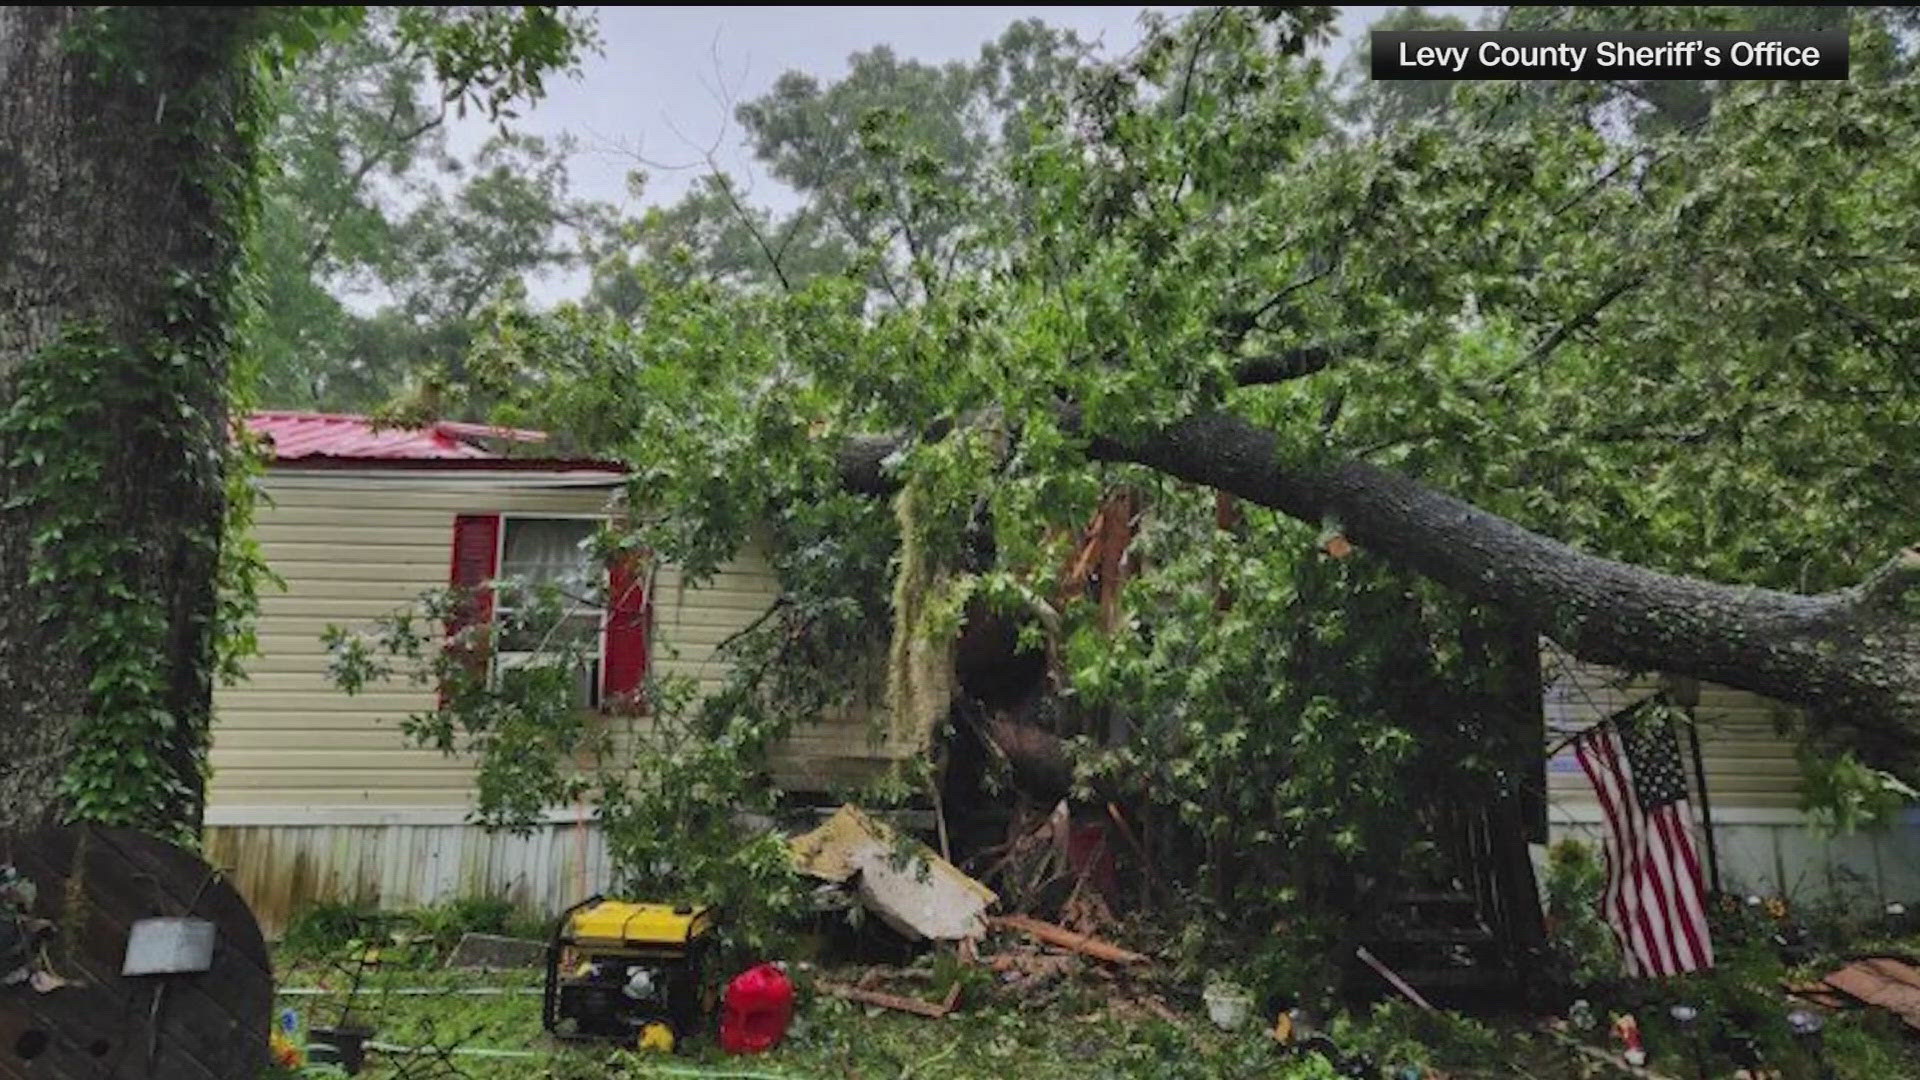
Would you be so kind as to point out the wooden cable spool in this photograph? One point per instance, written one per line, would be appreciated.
(93, 885)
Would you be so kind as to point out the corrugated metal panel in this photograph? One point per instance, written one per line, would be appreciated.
(283, 869)
(297, 435)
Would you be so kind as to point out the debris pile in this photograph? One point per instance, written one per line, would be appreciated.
(924, 897)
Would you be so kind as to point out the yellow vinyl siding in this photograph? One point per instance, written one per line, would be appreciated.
(691, 623)
(1749, 763)
(354, 548)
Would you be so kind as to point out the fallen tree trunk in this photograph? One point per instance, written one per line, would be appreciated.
(1851, 658)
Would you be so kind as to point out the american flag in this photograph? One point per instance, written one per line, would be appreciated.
(1653, 897)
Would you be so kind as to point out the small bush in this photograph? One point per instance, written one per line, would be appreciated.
(444, 924)
(1584, 949)
(1294, 966)
(328, 927)
(1398, 1035)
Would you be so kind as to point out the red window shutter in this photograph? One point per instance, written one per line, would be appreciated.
(629, 620)
(476, 554)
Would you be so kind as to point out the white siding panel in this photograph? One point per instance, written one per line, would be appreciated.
(352, 549)
(1772, 852)
(1749, 764)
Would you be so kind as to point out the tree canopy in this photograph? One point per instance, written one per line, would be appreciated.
(378, 247)
(1573, 360)
(1680, 347)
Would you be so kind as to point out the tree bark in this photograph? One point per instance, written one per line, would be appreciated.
(1851, 658)
(125, 156)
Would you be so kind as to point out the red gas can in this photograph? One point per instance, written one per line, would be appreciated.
(756, 1011)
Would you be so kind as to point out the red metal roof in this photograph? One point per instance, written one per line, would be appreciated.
(309, 438)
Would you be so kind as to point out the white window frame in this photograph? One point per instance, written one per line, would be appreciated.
(507, 660)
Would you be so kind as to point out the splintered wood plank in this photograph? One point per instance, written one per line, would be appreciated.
(1820, 994)
(1869, 982)
(1061, 937)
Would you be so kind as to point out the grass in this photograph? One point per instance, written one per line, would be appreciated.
(830, 1038)
(1079, 1031)
(1079, 1027)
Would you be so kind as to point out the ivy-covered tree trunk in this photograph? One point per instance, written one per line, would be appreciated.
(126, 154)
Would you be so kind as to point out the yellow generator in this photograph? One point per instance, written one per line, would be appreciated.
(633, 973)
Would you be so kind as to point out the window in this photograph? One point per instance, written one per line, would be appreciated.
(538, 580)
(550, 597)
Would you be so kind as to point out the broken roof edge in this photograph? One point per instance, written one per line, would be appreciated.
(461, 429)
(333, 463)
(320, 440)
(455, 428)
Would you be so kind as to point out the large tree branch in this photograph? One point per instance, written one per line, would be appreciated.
(396, 142)
(1283, 366)
(1852, 657)
(863, 459)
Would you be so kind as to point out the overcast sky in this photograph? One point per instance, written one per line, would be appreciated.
(660, 89)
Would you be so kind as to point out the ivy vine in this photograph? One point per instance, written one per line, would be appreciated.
(99, 399)
(66, 428)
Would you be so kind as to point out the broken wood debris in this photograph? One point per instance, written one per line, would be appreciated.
(1061, 937)
(1819, 994)
(1034, 870)
(1028, 972)
(905, 883)
(1031, 963)
(1392, 978)
(1160, 1011)
(929, 1009)
(1601, 1057)
(1884, 982)
(1139, 852)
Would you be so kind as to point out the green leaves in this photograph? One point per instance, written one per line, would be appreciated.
(667, 780)
(490, 56)
(1842, 796)
(362, 197)
(1669, 331)
(105, 602)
